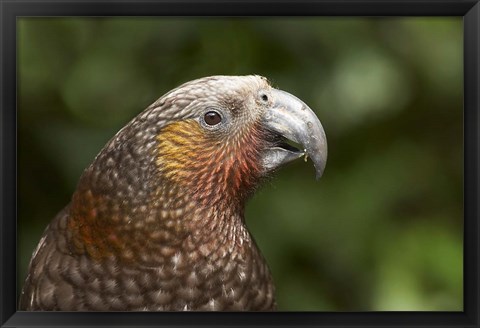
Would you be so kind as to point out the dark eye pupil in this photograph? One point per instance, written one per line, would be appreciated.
(212, 118)
(264, 97)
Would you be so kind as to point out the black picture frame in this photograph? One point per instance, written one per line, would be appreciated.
(10, 10)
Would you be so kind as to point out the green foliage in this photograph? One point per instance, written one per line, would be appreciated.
(382, 230)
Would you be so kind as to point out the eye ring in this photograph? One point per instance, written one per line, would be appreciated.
(212, 118)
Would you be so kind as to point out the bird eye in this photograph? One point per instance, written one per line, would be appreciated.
(212, 118)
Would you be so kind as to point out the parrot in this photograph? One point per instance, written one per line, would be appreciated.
(157, 220)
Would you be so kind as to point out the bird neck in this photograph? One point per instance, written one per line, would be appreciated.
(143, 208)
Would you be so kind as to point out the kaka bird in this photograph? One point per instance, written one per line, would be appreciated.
(157, 220)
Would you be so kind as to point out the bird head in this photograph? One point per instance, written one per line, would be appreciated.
(229, 132)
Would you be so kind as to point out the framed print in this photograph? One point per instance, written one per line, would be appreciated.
(225, 163)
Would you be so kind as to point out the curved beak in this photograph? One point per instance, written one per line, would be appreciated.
(290, 118)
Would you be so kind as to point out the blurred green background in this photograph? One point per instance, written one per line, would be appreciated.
(382, 229)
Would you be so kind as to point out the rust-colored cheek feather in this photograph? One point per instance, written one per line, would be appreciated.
(157, 223)
(213, 169)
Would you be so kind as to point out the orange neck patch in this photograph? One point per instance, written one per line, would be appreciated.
(211, 168)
